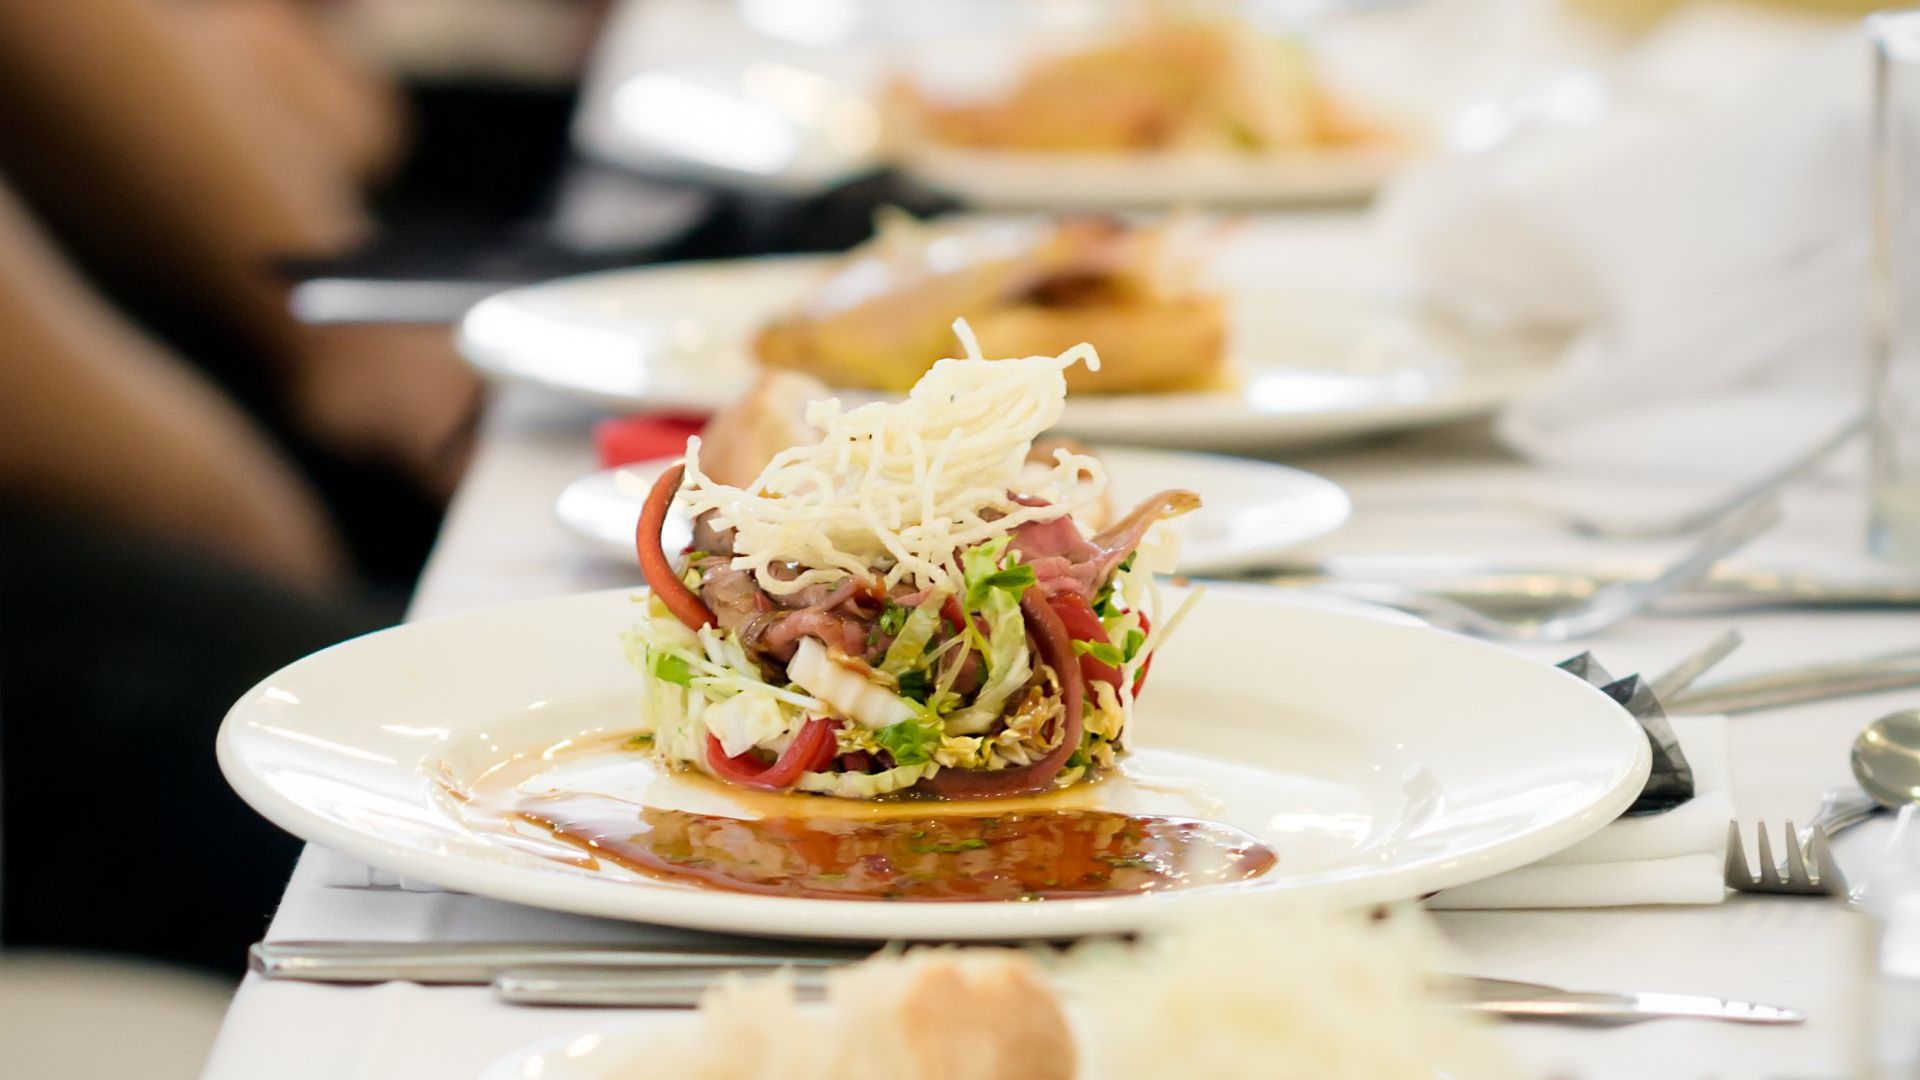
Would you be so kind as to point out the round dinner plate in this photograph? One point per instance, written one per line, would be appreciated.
(1307, 363)
(1380, 760)
(800, 120)
(1253, 510)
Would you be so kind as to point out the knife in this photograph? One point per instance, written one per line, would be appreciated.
(477, 963)
(1501, 998)
(1512, 1000)
(574, 974)
(1492, 584)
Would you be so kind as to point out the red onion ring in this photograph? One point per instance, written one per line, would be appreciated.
(810, 751)
(684, 603)
(1056, 651)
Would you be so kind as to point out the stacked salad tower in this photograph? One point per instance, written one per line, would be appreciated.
(907, 604)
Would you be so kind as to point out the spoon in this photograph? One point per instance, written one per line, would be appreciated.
(1886, 759)
(1886, 762)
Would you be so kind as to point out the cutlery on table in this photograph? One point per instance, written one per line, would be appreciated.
(1886, 761)
(1809, 870)
(1510, 587)
(476, 963)
(1799, 685)
(1534, 1001)
(611, 975)
(1607, 606)
(1681, 524)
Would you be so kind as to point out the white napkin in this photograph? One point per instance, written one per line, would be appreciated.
(1706, 248)
(1671, 858)
(339, 871)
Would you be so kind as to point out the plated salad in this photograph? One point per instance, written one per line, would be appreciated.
(905, 605)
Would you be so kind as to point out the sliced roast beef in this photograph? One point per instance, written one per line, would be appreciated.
(783, 633)
(709, 540)
(734, 597)
(1064, 561)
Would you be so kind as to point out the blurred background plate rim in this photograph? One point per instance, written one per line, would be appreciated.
(1313, 505)
(517, 335)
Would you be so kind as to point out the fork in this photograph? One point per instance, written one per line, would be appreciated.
(1795, 877)
(1609, 605)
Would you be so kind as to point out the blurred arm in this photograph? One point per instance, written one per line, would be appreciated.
(96, 418)
(323, 87)
(162, 150)
(183, 140)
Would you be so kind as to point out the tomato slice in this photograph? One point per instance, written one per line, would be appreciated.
(1083, 625)
(811, 750)
(684, 603)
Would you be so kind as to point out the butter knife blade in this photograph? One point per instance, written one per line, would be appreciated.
(1612, 1009)
(1485, 582)
(468, 963)
(1493, 997)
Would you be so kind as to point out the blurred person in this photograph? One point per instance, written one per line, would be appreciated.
(193, 485)
(158, 556)
(180, 151)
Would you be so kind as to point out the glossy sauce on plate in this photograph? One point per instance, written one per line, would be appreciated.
(1024, 854)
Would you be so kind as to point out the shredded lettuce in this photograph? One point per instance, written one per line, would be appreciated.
(747, 720)
(865, 785)
(983, 575)
(916, 630)
(1004, 649)
(1101, 651)
(911, 742)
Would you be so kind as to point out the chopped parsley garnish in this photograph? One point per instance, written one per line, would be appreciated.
(911, 742)
(915, 685)
(1103, 604)
(981, 568)
(670, 668)
(1101, 651)
(894, 619)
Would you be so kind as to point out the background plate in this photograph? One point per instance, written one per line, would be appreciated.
(1253, 510)
(1308, 362)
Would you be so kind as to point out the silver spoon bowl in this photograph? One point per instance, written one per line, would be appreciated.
(1886, 759)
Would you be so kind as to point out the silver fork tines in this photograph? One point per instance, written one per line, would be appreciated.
(1796, 877)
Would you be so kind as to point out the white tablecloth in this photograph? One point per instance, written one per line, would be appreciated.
(501, 544)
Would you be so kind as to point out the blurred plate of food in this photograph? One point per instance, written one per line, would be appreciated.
(1202, 345)
(1254, 510)
(1134, 113)
(1272, 994)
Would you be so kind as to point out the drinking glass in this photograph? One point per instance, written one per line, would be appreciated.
(1894, 384)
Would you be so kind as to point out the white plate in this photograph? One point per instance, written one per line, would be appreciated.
(1382, 761)
(1007, 180)
(1253, 510)
(799, 120)
(1309, 363)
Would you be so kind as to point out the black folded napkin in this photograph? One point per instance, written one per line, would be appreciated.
(1671, 781)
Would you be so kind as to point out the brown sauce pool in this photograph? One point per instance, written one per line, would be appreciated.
(1017, 855)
